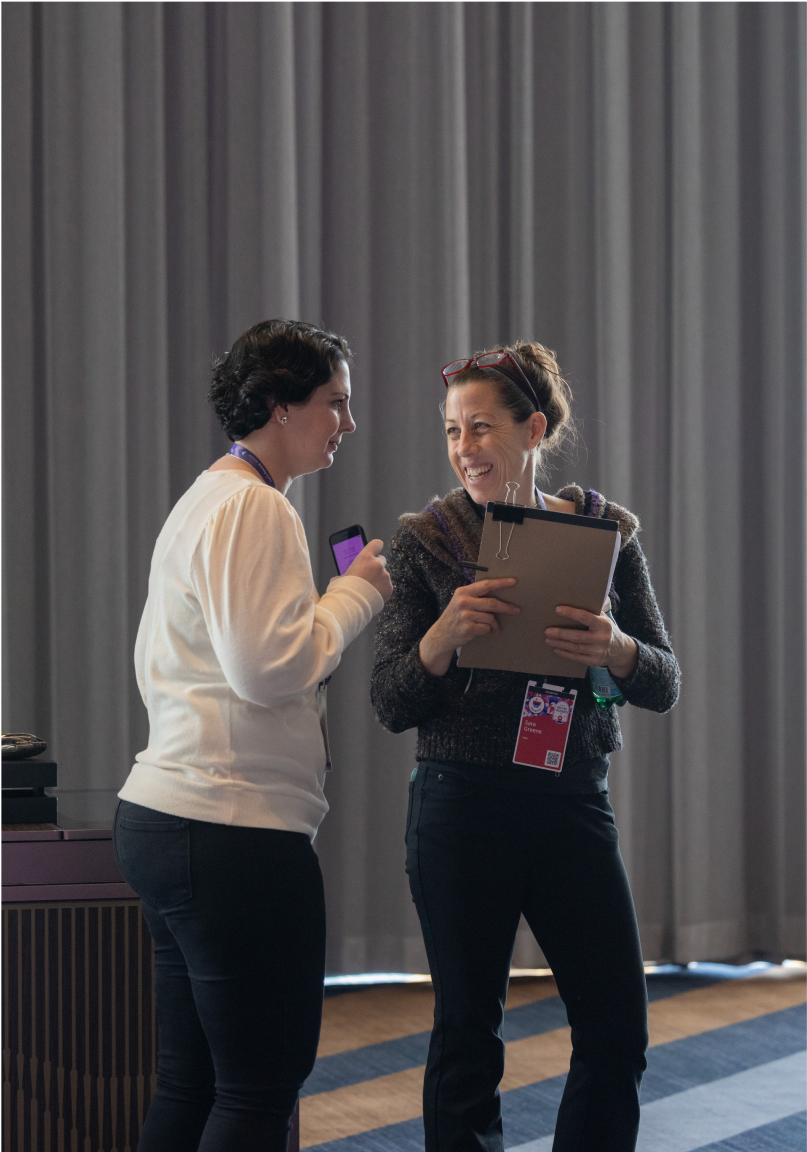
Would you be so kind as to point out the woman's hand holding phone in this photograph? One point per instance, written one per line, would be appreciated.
(371, 565)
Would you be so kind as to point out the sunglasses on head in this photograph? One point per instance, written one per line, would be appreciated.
(494, 360)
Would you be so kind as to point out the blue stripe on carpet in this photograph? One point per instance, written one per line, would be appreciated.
(724, 1108)
(695, 1060)
(672, 1068)
(720, 1110)
(360, 1064)
(675, 1067)
(788, 1135)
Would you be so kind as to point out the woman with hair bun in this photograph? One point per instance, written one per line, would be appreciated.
(488, 839)
(216, 819)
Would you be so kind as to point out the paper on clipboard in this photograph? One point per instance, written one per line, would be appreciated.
(557, 559)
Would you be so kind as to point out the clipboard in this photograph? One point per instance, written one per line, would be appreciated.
(557, 559)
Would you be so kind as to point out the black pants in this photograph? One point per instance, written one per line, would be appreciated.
(478, 857)
(238, 921)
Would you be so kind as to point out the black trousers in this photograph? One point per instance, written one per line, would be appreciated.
(238, 921)
(477, 857)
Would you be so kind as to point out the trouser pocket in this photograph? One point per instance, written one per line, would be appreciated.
(153, 850)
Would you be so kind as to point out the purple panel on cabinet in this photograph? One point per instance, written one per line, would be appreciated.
(87, 833)
(17, 835)
(50, 893)
(60, 862)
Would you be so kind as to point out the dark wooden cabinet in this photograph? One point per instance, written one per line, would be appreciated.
(79, 1026)
(79, 1031)
(79, 1034)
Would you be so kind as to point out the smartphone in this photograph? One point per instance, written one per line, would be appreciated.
(346, 545)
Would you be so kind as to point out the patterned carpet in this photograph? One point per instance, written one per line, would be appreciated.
(726, 1068)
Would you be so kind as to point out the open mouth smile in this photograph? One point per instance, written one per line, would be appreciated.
(477, 473)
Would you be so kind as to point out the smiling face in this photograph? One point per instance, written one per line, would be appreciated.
(486, 447)
(314, 429)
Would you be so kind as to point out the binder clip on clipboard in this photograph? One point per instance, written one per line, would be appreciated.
(512, 513)
(556, 558)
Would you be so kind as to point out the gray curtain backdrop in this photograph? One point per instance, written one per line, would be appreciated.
(624, 182)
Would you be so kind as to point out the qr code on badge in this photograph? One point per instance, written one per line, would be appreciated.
(552, 760)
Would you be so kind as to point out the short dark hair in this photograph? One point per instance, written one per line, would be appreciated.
(277, 362)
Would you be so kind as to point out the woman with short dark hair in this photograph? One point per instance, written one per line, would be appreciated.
(216, 819)
(489, 838)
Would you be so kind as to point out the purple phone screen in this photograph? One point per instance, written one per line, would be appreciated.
(346, 552)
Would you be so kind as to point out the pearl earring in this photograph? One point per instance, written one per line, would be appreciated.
(283, 419)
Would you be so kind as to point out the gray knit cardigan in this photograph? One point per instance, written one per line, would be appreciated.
(477, 722)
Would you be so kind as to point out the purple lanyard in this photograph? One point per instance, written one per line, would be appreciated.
(244, 454)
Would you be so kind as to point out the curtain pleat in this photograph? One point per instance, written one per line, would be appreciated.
(624, 182)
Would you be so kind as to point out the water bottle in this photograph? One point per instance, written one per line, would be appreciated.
(604, 689)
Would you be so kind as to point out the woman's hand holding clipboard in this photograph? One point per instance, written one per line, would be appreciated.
(557, 560)
(472, 611)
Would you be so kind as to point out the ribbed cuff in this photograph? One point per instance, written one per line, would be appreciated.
(352, 602)
(419, 690)
(363, 588)
(645, 662)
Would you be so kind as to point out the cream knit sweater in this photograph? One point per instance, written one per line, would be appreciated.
(232, 646)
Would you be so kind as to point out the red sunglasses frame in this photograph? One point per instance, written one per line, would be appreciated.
(497, 359)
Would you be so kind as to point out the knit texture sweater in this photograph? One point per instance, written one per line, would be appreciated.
(474, 720)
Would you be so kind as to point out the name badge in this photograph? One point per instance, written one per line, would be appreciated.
(544, 729)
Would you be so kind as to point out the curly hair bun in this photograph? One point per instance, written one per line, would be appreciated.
(277, 362)
(542, 370)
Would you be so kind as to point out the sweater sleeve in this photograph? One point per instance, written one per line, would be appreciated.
(402, 692)
(655, 681)
(252, 574)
